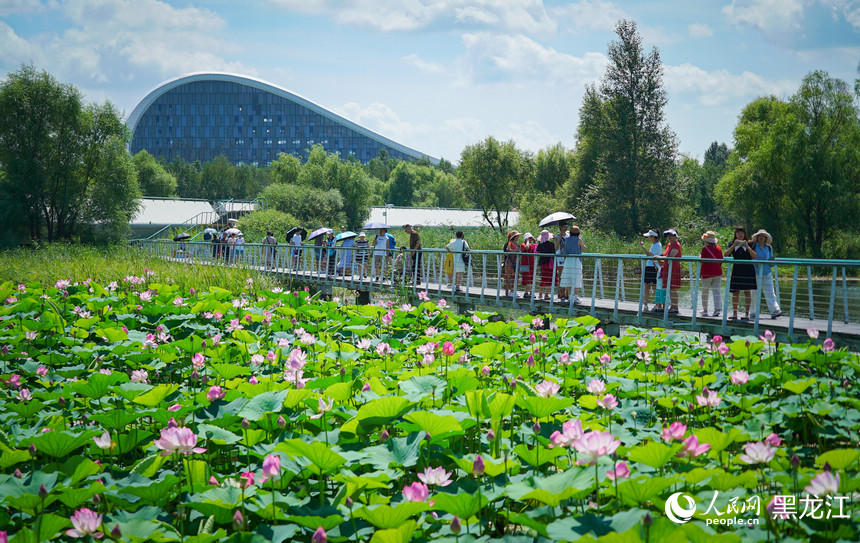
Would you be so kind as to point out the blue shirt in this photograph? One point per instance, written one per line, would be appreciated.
(763, 253)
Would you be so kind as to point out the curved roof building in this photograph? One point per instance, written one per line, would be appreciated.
(200, 116)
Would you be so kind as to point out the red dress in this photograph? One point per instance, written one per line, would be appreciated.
(676, 266)
(527, 264)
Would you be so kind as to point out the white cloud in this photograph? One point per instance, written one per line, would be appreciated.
(772, 17)
(720, 86)
(700, 30)
(13, 7)
(381, 119)
(518, 15)
(427, 67)
(493, 57)
(589, 15)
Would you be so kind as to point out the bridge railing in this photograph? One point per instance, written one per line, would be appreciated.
(825, 291)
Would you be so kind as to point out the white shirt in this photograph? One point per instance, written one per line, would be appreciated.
(297, 239)
(656, 249)
(381, 242)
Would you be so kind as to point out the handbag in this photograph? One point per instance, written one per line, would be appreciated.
(466, 259)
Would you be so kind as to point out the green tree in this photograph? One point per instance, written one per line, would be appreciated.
(637, 149)
(552, 168)
(188, 177)
(53, 151)
(153, 178)
(285, 169)
(491, 172)
(255, 225)
(311, 206)
(401, 186)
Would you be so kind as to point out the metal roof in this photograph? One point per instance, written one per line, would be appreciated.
(432, 216)
(164, 211)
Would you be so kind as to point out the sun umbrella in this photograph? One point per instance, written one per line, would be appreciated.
(210, 231)
(231, 231)
(345, 235)
(292, 232)
(319, 232)
(182, 236)
(375, 226)
(555, 218)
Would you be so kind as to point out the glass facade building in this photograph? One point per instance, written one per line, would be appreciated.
(201, 116)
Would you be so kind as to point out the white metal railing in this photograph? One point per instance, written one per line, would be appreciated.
(823, 291)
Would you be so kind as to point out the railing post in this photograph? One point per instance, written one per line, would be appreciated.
(668, 301)
(832, 303)
(641, 288)
(534, 280)
(499, 279)
(695, 294)
(598, 269)
(552, 283)
(483, 275)
(618, 273)
(845, 293)
(602, 294)
(725, 327)
(759, 272)
(809, 285)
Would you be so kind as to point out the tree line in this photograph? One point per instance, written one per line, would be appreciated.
(793, 168)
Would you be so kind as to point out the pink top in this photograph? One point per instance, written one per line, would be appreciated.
(712, 269)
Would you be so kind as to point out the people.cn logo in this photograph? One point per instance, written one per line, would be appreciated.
(676, 512)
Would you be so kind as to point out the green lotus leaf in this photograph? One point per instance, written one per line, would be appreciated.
(418, 388)
(267, 402)
(839, 459)
(653, 454)
(539, 455)
(58, 444)
(381, 411)
(541, 408)
(438, 426)
(387, 517)
(642, 490)
(490, 349)
(230, 371)
(400, 451)
(323, 459)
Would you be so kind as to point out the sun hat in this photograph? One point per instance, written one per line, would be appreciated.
(528, 235)
(763, 232)
(671, 232)
(512, 234)
(574, 230)
(363, 235)
(651, 233)
(545, 235)
(710, 236)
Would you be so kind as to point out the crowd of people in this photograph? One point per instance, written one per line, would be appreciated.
(546, 264)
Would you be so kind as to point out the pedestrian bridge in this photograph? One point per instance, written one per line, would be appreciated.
(818, 295)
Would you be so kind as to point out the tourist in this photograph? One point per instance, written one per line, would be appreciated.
(559, 260)
(711, 273)
(414, 248)
(509, 261)
(346, 256)
(460, 248)
(361, 248)
(527, 262)
(270, 247)
(296, 243)
(672, 250)
(764, 251)
(571, 277)
(380, 244)
(545, 247)
(240, 247)
(743, 274)
(330, 254)
(651, 267)
(319, 241)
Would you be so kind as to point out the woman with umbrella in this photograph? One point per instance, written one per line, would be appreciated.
(380, 244)
(347, 240)
(294, 238)
(271, 245)
(361, 248)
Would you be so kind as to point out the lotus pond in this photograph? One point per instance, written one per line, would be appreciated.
(137, 411)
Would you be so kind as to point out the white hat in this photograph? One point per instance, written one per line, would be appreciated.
(650, 233)
(671, 232)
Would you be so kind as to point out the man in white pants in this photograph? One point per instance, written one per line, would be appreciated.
(764, 251)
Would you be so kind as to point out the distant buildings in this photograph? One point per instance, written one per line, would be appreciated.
(203, 115)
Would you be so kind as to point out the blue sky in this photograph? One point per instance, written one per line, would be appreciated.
(440, 75)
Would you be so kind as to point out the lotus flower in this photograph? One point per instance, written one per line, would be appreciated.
(547, 389)
(723, 349)
(608, 402)
(178, 440)
(323, 407)
(198, 360)
(448, 348)
(621, 471)
(674, 431)
(596, 386)
(595, 444)
(298, 359)
(768, 337)
(565, 359)
(758, 453)
(570, 431)
(605, 359)
(716, 340)
(319, 536)
(773, 440)
(478, 466)
(777, 508)
(416, 492)
(86, 522)
(422, 295)
(103, 441)
(580, 356)
(829, 345)
(24, 395)
(599, 335)
(692, 448)
(435, 476)
(739, 377)
(709, 398)
(272, 466)
(383, 349)
(139, 376)
(215, 393)
(823, 484)
(363, 344)
(307, 339)
(812, 333)
(248, 476)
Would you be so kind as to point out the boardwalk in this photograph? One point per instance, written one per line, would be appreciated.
(817, 294)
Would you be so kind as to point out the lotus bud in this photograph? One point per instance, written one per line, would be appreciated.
(33, 449)
(748, 343)
(238, 520)
(384, 435)
(172, 423)
(97, 499)
(491, 435)
(646, 520)
(43, 491)
(342, 372)
(213, 481)
(455, 525)
(536, 427)
(18, 474)
(61, 402)
(348, 502)
(246, 424)
(827, 466)
(282, 422)
(195, 375)
(319, 536)
(204, 379)
(478, 466)
(116, 533)
(701, 362)
(794, 461)
(4, 350)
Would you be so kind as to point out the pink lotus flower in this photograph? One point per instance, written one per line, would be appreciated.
(257, 359)
(773, 440)
(383, 349)
(366, 387)
(29, 336)
(103, 441)
(435, 476)
(692, 448)
(565, 359)
(25, 395)
(723, 349)
(198, 361)
(674, 432)
(596, 386)
(777, 508)
(178, 440)
(812, 333)
(319, 536)
(768, 337)
(253, 380)
(139, 376)
(86, 522)
(422, 295)
(387, 318)
(431, 331)
(570, 431)
(716, 340)
(823, 484)
(416, 492)
(829, 345)
(547, 389)
(478, 466)
(605, 359)
(599, 335)
(272, 466)
(709, 398)
(298, 359)
(448, 348)
(442, 304)
(363, 344)
(248, 476)
(307, 339)
(608, 402)
(580, 356)
(758, 453)
(427, 359)
(175, 407)
(595, 444)
(485, 371)
(14, 381)
(537, 323)
(215, 393)
(644, 356)
(621, 471)
(670, 370)
(641, 344)
(323, 407)
(739, 377)
(530, 361)
(62, 284)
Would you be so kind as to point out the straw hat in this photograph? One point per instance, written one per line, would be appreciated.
(513, 234)
(763, 232)
(710, 236)
(574, 230)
